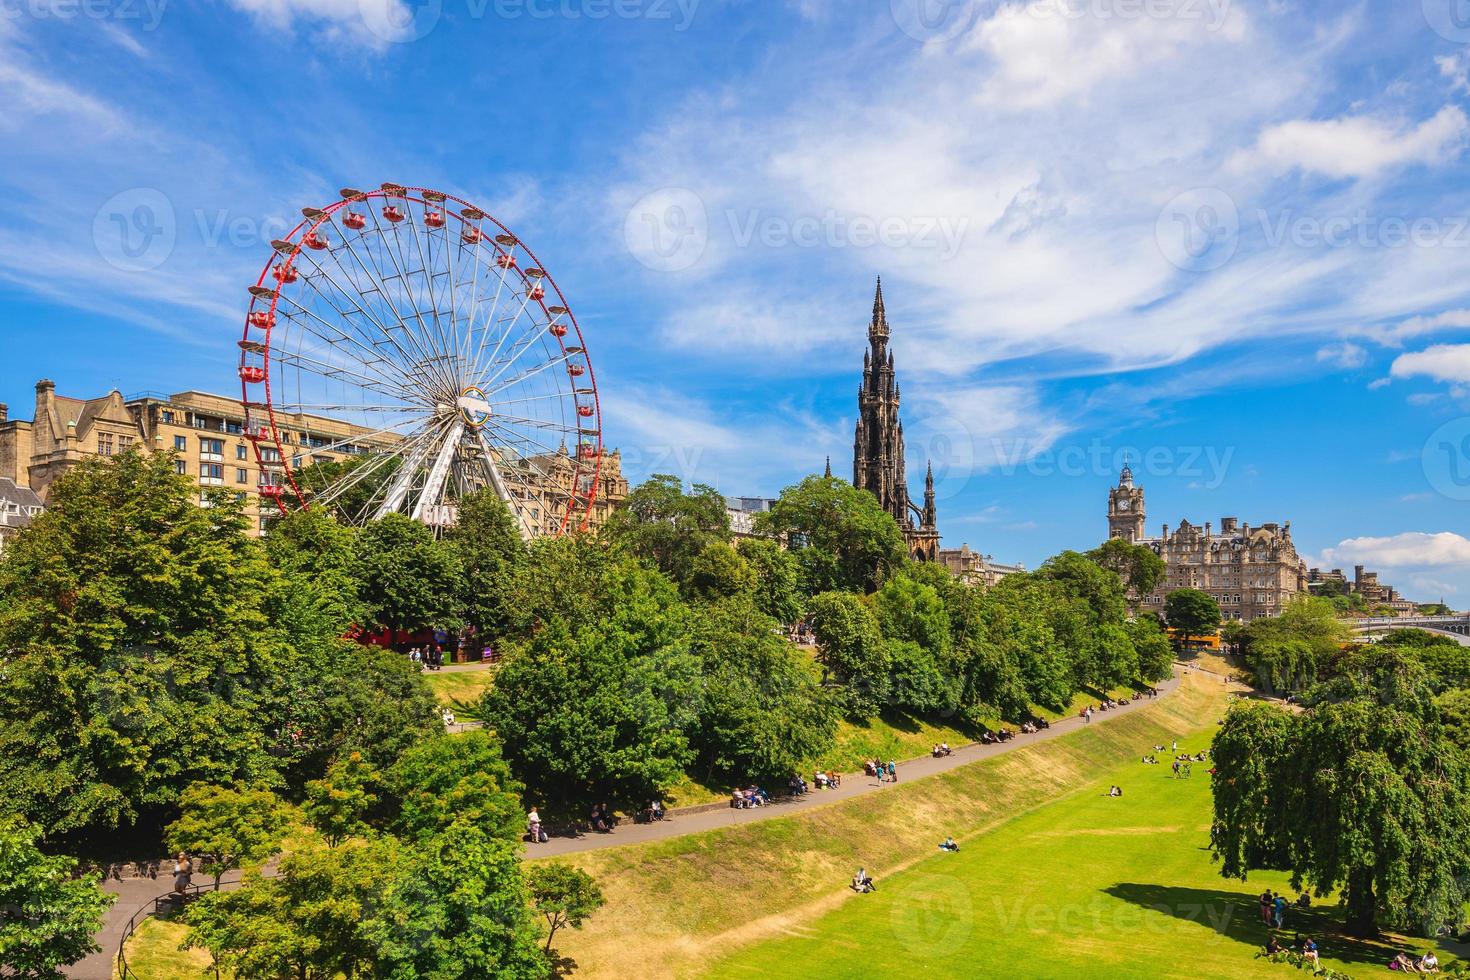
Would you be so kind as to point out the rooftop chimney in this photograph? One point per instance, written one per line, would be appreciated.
(4, 412)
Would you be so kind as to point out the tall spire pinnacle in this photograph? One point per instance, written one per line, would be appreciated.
(879, 326)
(828, 474)
(1125, 479)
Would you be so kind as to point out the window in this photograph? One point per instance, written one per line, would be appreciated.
(233, 428)
(240, 451)
(124, 443)
(212, 450)
(211, 474)
(179, 467)
(270, 455)
(168, 417)
(104, 444)
(241, 475)
(181, 443)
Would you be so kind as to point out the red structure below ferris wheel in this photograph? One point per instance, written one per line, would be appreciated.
(418, 350)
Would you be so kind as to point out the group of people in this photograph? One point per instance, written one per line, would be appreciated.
(828, 779)
(996, 737)
(1404, 963)
(886, 772)
(652, 813)
(751, 796)
(602, 819)
(1307, 947)
(1274, 906)
(430, 658)
(941, 750)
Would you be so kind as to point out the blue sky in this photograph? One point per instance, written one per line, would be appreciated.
(1230, 239)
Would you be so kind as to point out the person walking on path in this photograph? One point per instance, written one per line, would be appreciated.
(183, 873)
(533, 821)
(892, 772)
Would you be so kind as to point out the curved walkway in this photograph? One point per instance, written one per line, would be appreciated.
(695, 821)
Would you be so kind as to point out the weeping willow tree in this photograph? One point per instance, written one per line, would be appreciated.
(1363, 793)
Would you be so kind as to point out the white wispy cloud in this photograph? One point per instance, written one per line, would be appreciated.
(1343, 355)
(1359, 146)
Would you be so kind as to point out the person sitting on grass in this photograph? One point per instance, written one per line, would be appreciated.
(949, 845)
(862, 883)
(1115, 791)
(1402, 963)
(944, 748)
(1272, 946)
(820, 778)
(1429, 963)
(1309, 951)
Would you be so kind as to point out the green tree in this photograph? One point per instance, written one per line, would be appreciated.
(227, 828)
(1019, 628)
(762, 711)
(51, 914)
(408, 580)
(1191, 612)
(315, 918)
(662, 524)
(563, 896)
(317, 559)
(492, 558)
(459, 777)
(337, 805)
(776, 591)
(596, 705)
(369, 475)
(842, 539)
(719, 572)
(852, 652)
(458, 910)
(1151, 644)
(1363, 792)
(1137, 565)
(139, 654)
(1295, 649)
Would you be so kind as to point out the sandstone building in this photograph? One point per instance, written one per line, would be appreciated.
(210, 437)
(1250, 571)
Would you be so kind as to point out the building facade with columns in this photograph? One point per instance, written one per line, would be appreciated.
(1250, 572)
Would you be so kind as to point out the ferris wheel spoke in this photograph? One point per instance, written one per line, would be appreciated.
(380, 290)
(434, 483)
(302, 362)
(395, 254)
(525, 376)
(375, 338)
(514, 436)
(309, 320)
(497, 481)
(359, 474)
(539, 423)
(428, 357)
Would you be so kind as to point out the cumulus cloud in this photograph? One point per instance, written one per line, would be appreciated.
(1359, 146)
(1442, 362)
(1412, 549)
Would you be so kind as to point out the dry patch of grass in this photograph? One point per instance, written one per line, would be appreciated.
(153, 953)
(460, 687)
(675, 904)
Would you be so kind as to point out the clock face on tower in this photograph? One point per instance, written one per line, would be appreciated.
(1124, 503)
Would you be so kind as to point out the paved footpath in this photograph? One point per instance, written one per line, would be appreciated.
(677, 824)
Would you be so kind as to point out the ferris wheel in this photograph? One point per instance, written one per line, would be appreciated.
(402, 349)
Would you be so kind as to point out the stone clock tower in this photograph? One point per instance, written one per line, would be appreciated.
(1125, 509)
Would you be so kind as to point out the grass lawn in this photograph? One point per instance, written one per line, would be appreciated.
(1085, 886)
(153, 953)
(675, 906)
(461, 688)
